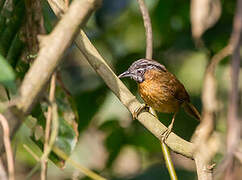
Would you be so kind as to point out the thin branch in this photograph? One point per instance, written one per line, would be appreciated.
(61, 84)
(3, 174)
(79, 167)
(59, 7)
(209, 92)
(148, 29)
(166, 154)
(14, 117)
(48, 125)
(233, 123)
(7, 145)
(76, 165)
(168, 160)
(53, 136)
(35, 156)
(202, 134)
(36, 167)
(203, 154)
(66, 4)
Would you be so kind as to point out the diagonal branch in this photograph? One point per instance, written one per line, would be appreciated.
(148, 29)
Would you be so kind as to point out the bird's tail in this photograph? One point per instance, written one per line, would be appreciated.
(191, 110)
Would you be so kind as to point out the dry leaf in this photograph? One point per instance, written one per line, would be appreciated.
(204, 14)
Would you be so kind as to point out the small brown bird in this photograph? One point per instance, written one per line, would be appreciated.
(160, 89)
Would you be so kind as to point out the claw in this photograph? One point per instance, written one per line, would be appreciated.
(139, 109)
(168, 130)
(166, 134)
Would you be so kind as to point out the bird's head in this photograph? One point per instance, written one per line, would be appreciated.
(137, 70)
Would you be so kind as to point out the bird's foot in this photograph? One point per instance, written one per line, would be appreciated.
(166, 134)
(139, 109)
(168, 130)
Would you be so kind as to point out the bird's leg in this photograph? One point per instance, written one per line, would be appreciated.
(139, 109)
(168, 130)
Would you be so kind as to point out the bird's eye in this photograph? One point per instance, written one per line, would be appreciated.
(139, 71)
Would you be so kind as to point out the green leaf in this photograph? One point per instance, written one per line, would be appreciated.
(66, 139)
(7, 75)
(66, 142)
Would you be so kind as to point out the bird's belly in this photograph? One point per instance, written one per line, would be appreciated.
(158, 98)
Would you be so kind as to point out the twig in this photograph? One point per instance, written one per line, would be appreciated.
(32, 172)
(61, 84)
(233, 123)
(3, 174)
(53, 136)
(14, 116)
(36, 167)
(59, 7)
(48, 125)
(31, 152)
(66, 4)
(76, 165)
(203, 153)
(148, 29)
(168, 160)
(209, 93)
(82, 169)
(202, 134)
(166, 154)
(7, 145)
(205, 128)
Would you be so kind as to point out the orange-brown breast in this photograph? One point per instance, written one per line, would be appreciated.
(162, 91)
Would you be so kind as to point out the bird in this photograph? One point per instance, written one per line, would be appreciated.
(160, 90)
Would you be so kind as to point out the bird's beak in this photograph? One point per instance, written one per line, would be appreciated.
(125, 74)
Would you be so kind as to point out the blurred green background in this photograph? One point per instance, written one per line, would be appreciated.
(96, 130)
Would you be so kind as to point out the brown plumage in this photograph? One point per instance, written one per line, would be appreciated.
(162, 91)
(159, 88)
